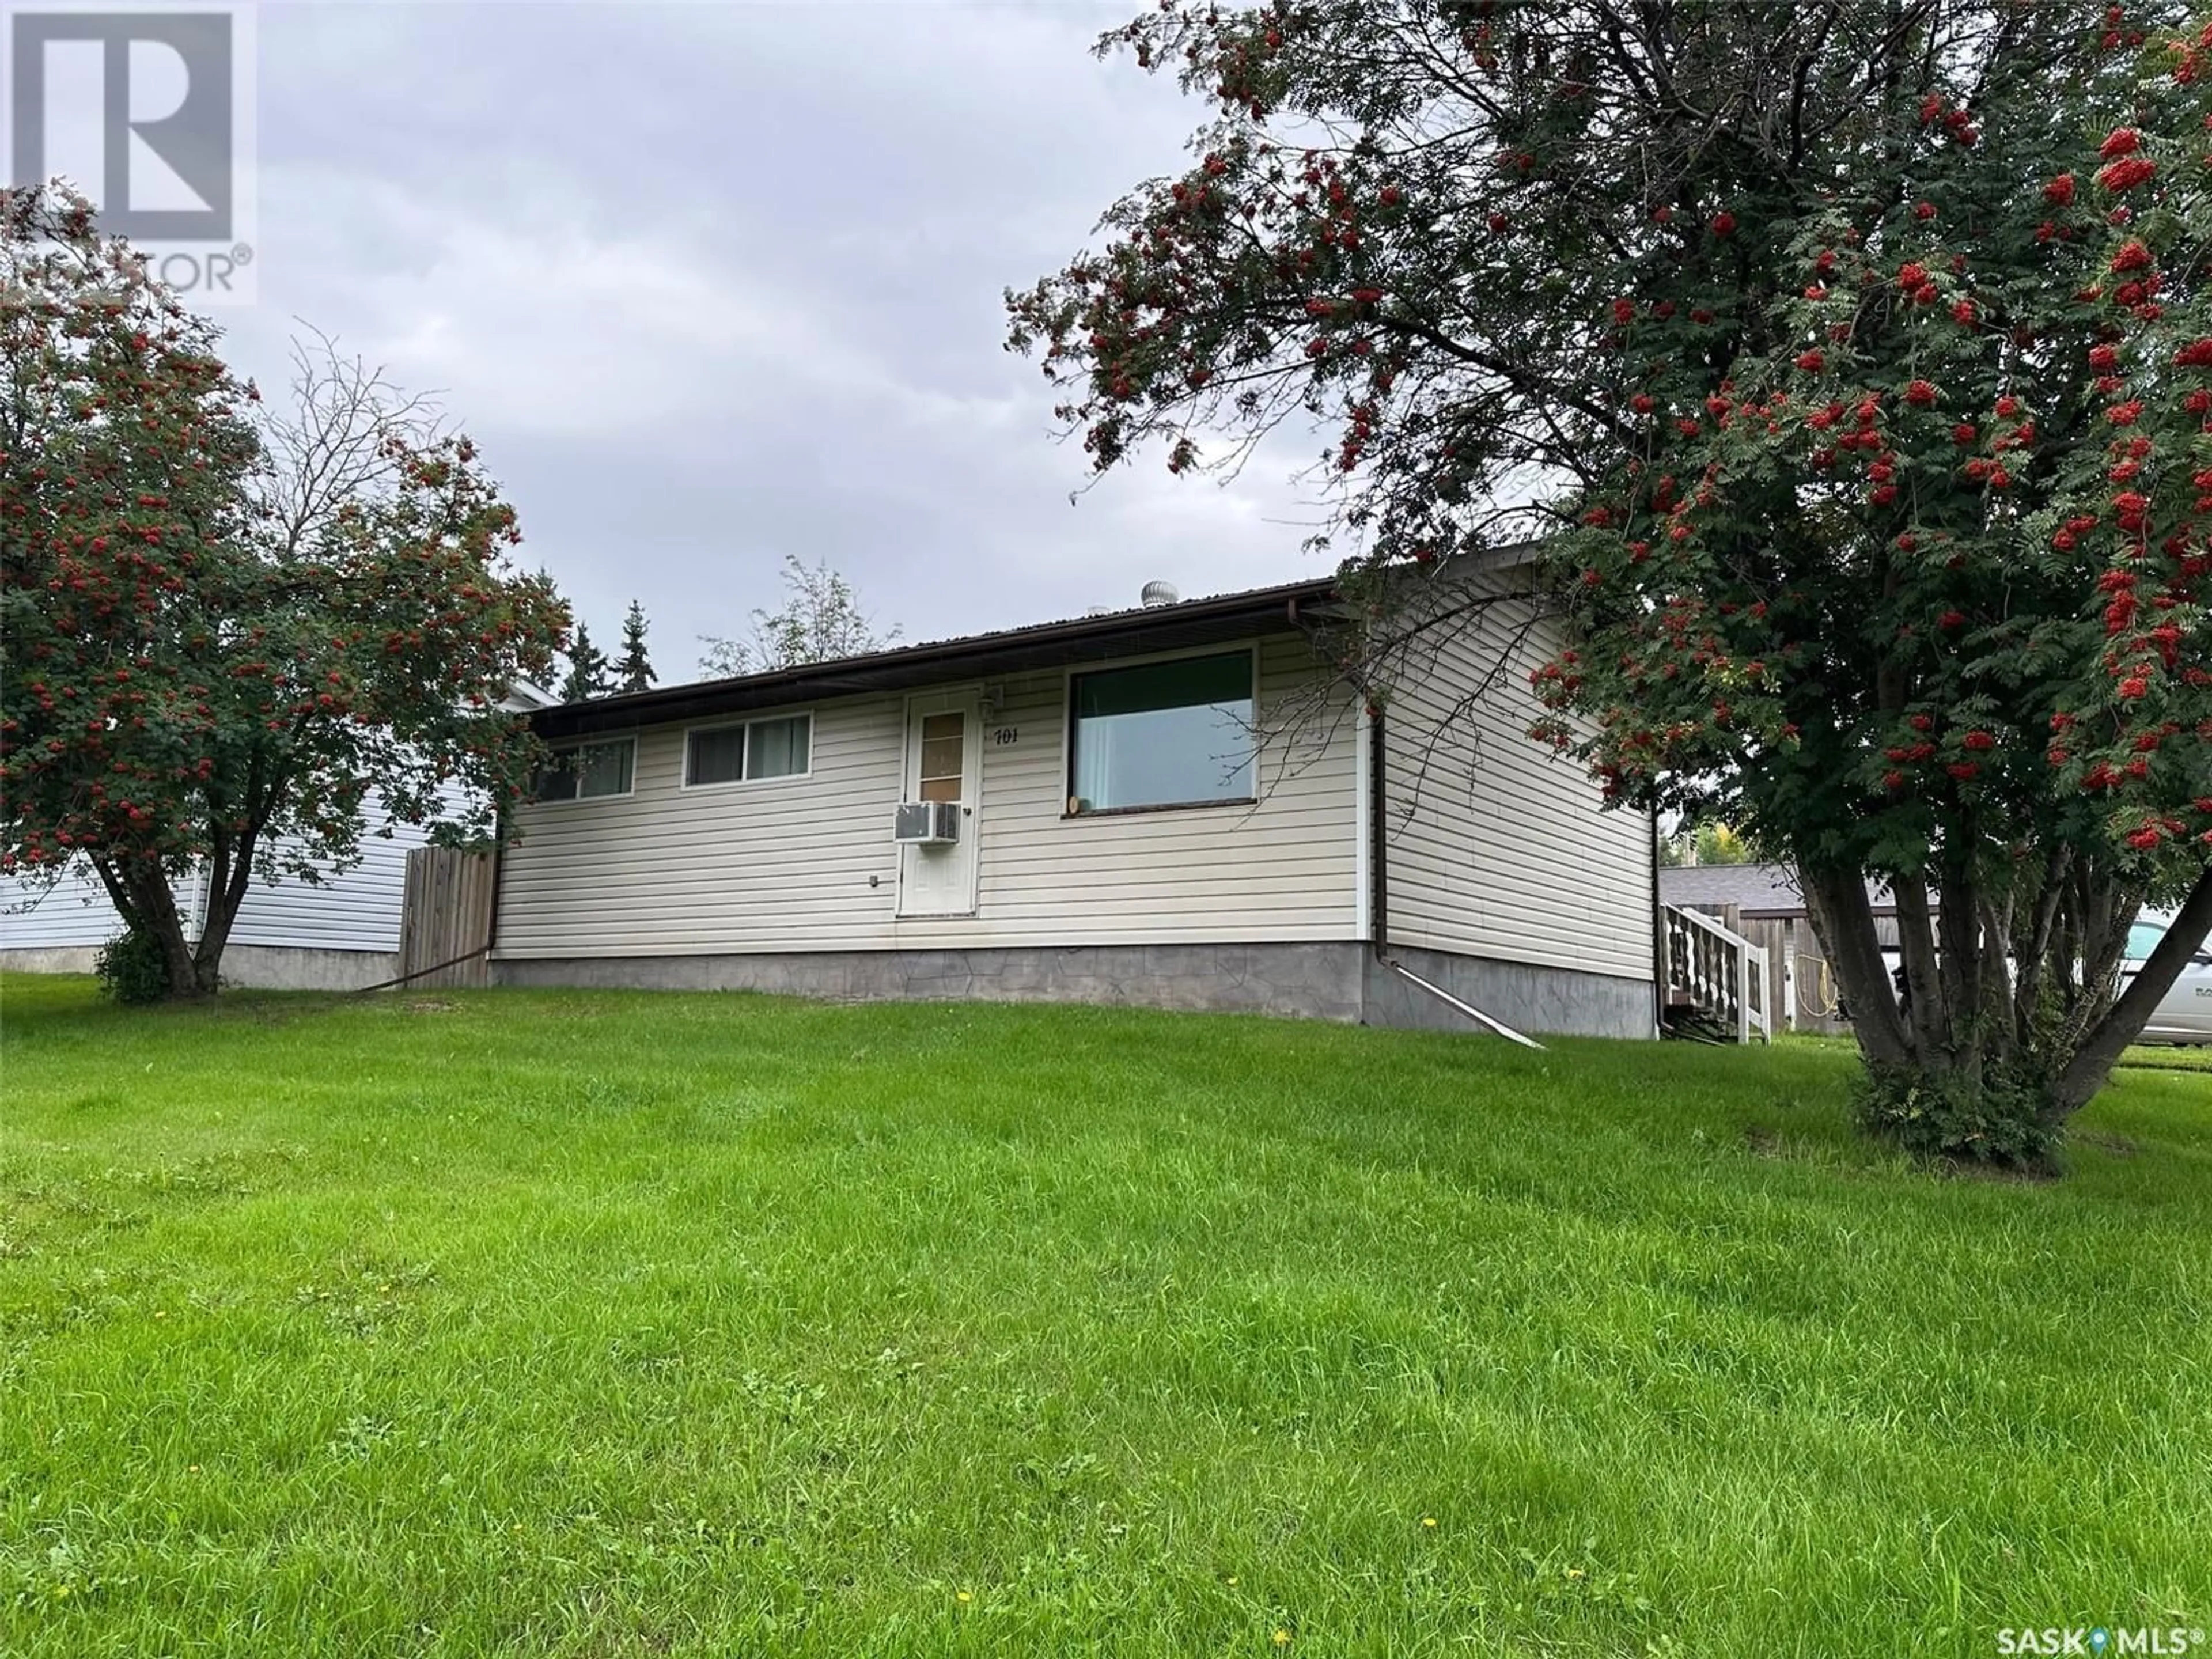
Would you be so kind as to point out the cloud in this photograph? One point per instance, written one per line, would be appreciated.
(712, 283)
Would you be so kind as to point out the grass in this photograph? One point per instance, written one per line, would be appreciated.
(604, 1324)
(2170, 1057)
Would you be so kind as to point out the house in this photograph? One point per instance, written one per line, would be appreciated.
(341, 934)
(1181, 805)
(1764, 890)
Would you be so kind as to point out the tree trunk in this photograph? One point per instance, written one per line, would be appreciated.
(1982, 1058)
(2092, 1064)
(1943, 1076)
(230, 877)
(1843, 922)
(1928, 1017)
(140, 890)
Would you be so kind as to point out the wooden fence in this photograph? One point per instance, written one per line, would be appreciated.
(1772, 936)
(446, 915)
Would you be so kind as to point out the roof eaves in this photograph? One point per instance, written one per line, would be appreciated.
(1060, 640)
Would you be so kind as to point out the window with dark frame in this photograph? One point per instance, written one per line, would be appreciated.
(717, 756)
(779, 748)
(1177, 734)
(587, 771)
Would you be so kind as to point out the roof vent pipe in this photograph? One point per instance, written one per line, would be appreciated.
(1156, 594)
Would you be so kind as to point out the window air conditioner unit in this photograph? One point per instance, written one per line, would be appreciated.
(926, 823)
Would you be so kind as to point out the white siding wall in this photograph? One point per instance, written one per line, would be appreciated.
(358, 910)
(785, 865)
(1496, 847)
(74, 910)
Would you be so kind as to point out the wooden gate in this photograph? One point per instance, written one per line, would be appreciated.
(445, 920)
(1772, 935)
(1819, 1006)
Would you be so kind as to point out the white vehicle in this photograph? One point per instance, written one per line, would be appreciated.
(2184, 1015)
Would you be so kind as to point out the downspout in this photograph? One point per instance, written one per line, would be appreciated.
(1378, 844)
(498, 880)
(1658, 939)
(1378, 865)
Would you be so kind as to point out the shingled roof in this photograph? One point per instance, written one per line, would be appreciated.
(1756, 890)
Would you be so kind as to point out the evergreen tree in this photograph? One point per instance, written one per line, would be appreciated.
(588, 670)
(633, 669)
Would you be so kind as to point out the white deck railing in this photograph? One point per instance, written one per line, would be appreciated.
(1723, 972)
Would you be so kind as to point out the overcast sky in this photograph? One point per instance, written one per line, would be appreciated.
(711, 283)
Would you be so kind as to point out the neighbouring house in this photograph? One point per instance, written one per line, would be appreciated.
(1764, 902)
(1765, 892)
(341, 934)
(1181, 805)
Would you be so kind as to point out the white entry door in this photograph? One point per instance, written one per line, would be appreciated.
(943, 761)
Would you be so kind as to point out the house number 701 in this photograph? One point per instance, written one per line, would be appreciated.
(1006, 735)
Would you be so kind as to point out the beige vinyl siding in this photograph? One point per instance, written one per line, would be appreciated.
(1496, 848)
(784, 864)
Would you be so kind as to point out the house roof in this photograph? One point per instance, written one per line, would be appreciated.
(1201, 622)
(526, 696)
(1757, 889)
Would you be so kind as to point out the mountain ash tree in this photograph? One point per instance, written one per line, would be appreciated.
(1854, 360)
(227, 630)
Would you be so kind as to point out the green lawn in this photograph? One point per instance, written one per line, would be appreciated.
(2170, 1058)
(604, 1324)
